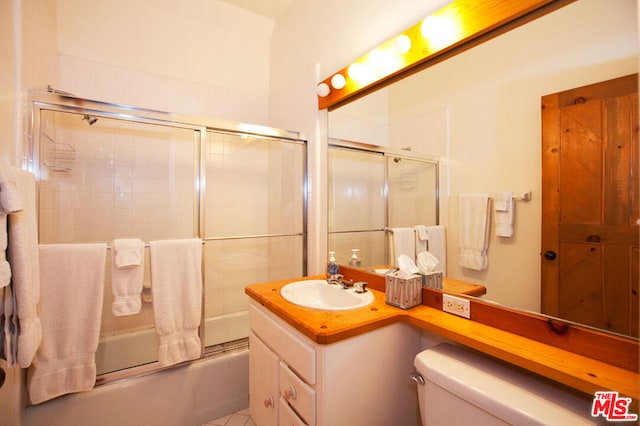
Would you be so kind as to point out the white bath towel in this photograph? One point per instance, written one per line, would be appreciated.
(11, 201)
(437, 246)
(72, 281)
(402, 242)
(503, 213)
(473, 218)
(24, 258)
(176, 285)
(421, 238)
(127, 275)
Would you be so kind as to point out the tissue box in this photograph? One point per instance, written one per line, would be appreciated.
(432, 280)
(403, 293)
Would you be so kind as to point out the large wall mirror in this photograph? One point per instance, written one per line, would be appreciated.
(479, 114)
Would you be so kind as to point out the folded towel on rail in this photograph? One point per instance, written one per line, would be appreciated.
(128, 252)
(402, 242)
(11, 201)
(24, 258)
(72, 282)
(437, 246)
(421, 238)
(503, 213)
(473, 217)
(127, 275)
(176, 285)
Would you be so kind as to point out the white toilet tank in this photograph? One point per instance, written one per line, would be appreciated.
(463, 388)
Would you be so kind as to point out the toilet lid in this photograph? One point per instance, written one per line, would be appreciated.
(508, 393)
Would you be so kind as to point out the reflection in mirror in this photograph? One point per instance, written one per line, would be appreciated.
(372, 189)
(478, 112)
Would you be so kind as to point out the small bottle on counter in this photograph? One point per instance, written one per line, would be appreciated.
(355, 262)
(332, 266)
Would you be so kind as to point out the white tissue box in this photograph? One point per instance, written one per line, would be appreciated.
(403, 293)
(432, 280)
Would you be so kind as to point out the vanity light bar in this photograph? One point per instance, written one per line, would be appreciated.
(453, 26)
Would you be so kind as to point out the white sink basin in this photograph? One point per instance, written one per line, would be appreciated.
(317, 294)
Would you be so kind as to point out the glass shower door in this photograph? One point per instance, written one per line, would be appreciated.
(253, 220)
(357, 205)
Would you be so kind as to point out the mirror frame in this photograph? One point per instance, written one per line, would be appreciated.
(476, 22)
(482, 21)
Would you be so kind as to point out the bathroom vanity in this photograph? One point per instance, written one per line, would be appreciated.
(351, 367)
(296, 381)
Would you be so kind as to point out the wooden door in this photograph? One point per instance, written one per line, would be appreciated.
(590, 211)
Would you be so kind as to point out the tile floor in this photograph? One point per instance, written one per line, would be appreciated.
(239, 418)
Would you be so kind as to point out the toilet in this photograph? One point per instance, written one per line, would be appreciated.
(459, 387)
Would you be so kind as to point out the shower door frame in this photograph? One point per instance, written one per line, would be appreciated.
(57, 101)
(386, 152)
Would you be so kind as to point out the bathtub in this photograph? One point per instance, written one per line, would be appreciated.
(191, 394)
(141, 347)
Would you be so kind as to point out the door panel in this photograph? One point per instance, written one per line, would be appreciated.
(590, 205)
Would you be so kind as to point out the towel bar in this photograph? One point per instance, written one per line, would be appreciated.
(525, 196)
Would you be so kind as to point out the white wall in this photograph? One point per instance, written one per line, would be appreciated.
(203, 57)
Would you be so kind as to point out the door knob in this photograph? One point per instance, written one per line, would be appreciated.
(550, 255)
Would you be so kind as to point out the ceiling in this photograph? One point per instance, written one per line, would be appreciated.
(268, 8)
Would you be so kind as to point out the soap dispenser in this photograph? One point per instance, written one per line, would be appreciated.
(355, 262)
(332, 266)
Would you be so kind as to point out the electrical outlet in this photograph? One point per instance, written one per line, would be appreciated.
(456, 305)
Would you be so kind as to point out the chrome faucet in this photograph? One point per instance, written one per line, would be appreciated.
(361, 286)
(338, 279)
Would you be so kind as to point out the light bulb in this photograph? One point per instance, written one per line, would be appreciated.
(402, 44)
(323, 90)
(338, 81)
(355, 71)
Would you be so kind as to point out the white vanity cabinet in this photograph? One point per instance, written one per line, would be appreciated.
(362, 380)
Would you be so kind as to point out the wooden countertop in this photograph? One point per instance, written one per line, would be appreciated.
(577, 371)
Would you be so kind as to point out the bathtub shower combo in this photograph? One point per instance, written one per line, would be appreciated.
(106, 171)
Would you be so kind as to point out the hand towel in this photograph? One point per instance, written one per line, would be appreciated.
(176, 285)
(473, 220)
(72, 282)
(127, 275)
(503, 213)
(421, 238)
(25, 265)
(128, 252)
(437, 246)
(402, 242)
(10, 202)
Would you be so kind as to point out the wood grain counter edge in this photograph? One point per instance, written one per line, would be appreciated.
(576, 371)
